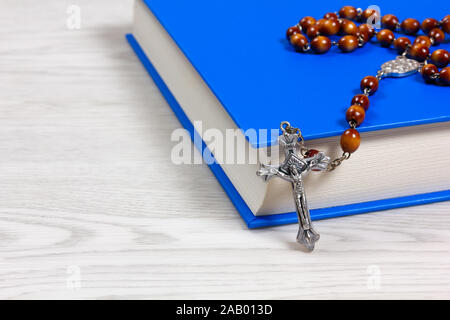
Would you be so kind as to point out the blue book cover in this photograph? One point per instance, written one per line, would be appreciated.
(240, 50)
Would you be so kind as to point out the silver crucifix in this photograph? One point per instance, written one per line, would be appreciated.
(293, 169)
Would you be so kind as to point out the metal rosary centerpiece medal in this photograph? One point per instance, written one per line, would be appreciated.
(400, 67)
(294, 168)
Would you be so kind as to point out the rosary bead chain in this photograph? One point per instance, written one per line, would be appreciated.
(321, 44)
(440, 58)
(402, 44)
(431, 74)
(348, 12)
(445, 24)
(444, 76)
(385, 37)
(390, 22)
(437, 35)
(348, 43)
(362, 100)
(291, 31)
(423, 40)
(332, 24)
(418, 51)
(354, 36)
(410, 26)
(350, 140)
(428, 24)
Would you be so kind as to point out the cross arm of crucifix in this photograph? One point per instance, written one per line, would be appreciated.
(267, 171)
(319, 162)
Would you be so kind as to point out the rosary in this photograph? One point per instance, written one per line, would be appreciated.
(413, 57)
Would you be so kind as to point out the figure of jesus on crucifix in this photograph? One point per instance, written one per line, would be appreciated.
(293, 169)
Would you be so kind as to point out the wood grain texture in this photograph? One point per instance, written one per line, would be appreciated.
(90, 206)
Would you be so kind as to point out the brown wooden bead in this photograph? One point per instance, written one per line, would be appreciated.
(349, 27)
(444, 76)
(446, 25)
(355, 113)
(440, 57)
(428, 24)
(320, 44)
(362, 35)
(385, 37)
(330, 27)
(307, 22)
(330, 16)
(291, 31)
(418, 52)
(389, 21)
(423, 40)
(299, 41)
(401, 44)
(348, 43)
(320, 22)
(348, 12)
(410, 26)
(313, 32)
(369, 83)
(437, 35)
(428, 71)
(366, 14)
(362, 100)
(350, 140)
(365, 27)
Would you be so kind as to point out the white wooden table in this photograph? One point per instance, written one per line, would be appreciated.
(90, 206)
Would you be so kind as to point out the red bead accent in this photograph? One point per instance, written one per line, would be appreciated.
(311, 153)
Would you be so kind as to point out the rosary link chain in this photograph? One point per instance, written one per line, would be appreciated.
(338, 161)
(286, 127)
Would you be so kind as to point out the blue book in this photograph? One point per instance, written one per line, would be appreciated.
(227, 65)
